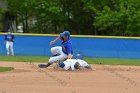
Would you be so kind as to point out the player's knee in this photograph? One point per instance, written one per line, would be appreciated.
(52, 60)
(53, 50)
(7, 49)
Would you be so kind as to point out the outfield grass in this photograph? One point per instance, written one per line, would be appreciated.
(113, 61)
(109, 61)
(3, 69)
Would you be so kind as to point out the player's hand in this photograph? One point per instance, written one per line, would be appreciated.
(70, 56)
(52, 42)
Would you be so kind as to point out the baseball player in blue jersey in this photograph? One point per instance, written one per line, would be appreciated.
(9, 39)
(60, 52)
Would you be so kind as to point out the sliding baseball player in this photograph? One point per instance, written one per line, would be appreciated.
(73, 64)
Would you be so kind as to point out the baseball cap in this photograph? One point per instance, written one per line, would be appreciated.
(65, 33)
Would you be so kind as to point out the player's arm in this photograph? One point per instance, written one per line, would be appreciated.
(52, 42)
(70, 56)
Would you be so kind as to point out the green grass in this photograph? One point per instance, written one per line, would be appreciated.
(24, 58)
(113, 61)
(109, 61)
(3, 69)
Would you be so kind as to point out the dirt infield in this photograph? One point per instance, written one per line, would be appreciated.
(28, 78)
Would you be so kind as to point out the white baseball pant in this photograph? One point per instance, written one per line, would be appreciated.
(57, 50)
(9, 48)
(69, 63)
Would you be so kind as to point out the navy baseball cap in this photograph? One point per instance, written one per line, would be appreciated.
(65, 33)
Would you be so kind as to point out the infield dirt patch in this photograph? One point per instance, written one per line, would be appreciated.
(28, 78)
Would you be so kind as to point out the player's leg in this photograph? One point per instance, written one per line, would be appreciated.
(84, 64)
(74, 64)
(59, 58)
(63, 65)
(88, 67)
(59, 65)
(78, 66)
(11, 48)
(58, 55)
(7, 48)
(67, 64)
(56, 50)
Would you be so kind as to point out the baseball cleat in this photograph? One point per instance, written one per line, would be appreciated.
(43, 65)
(88, 67)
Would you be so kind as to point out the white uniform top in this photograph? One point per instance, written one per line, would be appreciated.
(69, 63)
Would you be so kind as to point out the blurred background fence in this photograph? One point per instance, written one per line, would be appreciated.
(89, 46)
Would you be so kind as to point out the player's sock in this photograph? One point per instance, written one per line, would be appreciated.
(61, 64)
(49, 64)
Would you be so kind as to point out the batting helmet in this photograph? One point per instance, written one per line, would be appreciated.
(79, 56)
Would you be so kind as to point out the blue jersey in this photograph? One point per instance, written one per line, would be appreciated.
(67, 47)
(9, 37)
